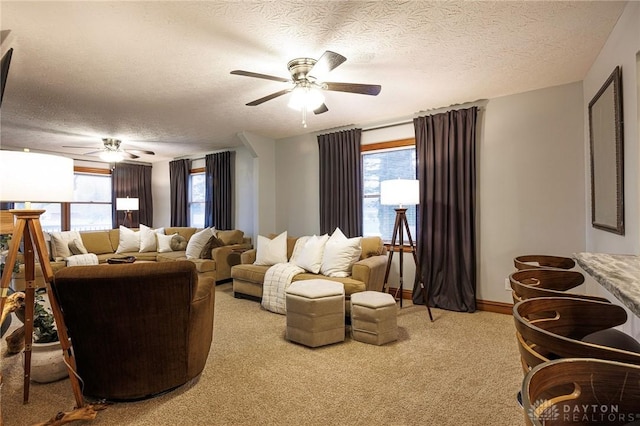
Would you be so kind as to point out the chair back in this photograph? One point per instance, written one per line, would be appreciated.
(544, 282)
(568, 391)
(533, 261)
(136, 329)
(556, 326)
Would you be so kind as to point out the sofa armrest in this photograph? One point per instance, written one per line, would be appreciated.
(221, 256)
(371, 272)
(248, 257)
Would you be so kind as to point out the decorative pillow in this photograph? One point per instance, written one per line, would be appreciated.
(129, 240)
(310, 258)
(269, 252)
(178, 243)
(147, 239)
(297, 249)
(164, 242)
(60, 244)
(76, 247)
(213, 242)
(197, 242)
(340, 253)
(97, 242)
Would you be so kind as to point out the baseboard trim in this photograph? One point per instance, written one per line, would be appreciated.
(481, 305)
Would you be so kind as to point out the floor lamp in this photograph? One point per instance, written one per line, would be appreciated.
(43, 178)
(127, 205)
(402, 192)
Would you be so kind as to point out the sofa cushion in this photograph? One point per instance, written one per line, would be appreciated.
(76, 247)
(164, 242)
(178, 243)
(234, 236)
(350, 285)
(60, 244)
(371, 246)
(214, 242)
(97, 242)
(129, 240)
(271, 251)
(197, 242)
(249, 272)
(340, 253)
(310, 257)
(185, 231)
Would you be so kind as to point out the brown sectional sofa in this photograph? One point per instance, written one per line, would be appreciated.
(104, 244)
(366, 274)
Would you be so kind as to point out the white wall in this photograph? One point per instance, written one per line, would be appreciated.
(161, 193)
(621, 49)
(530, 182)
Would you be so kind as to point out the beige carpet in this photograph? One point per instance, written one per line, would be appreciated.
(462, 369)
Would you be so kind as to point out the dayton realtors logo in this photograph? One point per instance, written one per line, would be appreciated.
(543, 411)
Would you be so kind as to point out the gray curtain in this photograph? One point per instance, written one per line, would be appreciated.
(179, 190)
(134, 181)
(341, 182)
(218, 190)
(446, 151)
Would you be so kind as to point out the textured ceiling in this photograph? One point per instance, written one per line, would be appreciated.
(156, 74)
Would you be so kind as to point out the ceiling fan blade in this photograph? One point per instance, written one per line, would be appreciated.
(322, 108)
(92, 152)
(327, 62)
(257, 75)
(79, 147)
(140, 151)
(269, 97)
(363, 89)
(129, 155)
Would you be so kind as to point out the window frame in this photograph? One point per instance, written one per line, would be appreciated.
(389, 146)
(194, 171)
(66, 206)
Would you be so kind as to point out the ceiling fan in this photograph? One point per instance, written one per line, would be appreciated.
(306, 76)
(112, 152)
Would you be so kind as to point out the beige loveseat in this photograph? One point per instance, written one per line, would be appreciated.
(366, 274)
(104, 245)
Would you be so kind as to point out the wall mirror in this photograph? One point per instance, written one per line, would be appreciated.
(607, 159)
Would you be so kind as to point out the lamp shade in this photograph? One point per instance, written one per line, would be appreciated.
(127, 204)
(34, 177)
(400, 192)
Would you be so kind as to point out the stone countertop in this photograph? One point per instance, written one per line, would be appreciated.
(618, 273)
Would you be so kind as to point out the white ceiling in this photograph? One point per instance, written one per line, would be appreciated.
(156, 74)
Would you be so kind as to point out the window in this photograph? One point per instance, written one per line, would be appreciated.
(51, 219)
(196, 205)
(382, 162)
(91, 206)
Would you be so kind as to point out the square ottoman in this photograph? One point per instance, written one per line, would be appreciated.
(315, 312)
(373, 317)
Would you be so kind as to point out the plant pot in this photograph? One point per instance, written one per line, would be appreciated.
(47, 362)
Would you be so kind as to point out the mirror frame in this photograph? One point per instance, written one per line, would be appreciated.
(602, 148)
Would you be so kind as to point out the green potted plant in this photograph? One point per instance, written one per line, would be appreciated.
(44, 327)
(47, 361)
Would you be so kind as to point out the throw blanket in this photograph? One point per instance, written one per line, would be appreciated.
(276, 281)
(82, 259)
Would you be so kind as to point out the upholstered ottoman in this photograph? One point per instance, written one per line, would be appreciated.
(315, 312)
(373, 317)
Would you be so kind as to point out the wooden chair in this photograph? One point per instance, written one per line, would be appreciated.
(566, 327)
(568, 391)
(533, 261)
(544, 282)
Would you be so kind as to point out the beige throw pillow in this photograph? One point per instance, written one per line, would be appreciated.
(340, 253)
(164, 242)
(129, 240)
(310, 258)
(60, 244)
(269, 252)
(76, 247)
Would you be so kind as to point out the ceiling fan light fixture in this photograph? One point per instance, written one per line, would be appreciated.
(305, 97)
(111, 156)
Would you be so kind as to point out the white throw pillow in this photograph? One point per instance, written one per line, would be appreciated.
(269, 252)
(60, 244)
(297, 249)
(129, 240)
(164, 242)
(147, 239)
(340, 253)
(197, 241)
(310, 258)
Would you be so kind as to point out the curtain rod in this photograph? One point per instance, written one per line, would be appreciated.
(480, 104)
